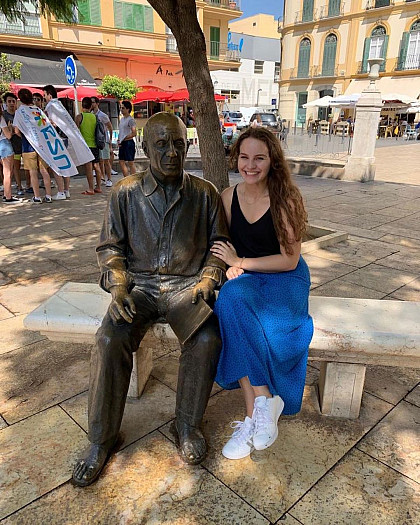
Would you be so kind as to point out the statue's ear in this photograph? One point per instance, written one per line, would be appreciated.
(144, 146)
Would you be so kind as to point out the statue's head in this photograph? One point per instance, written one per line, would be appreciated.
(165, 144)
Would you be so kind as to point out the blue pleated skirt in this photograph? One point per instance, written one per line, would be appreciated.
(266, 330)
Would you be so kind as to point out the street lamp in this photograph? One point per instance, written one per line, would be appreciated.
(258, 96)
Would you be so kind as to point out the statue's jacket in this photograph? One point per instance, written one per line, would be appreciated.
(144, 236)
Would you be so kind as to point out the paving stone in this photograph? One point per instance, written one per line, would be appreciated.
(4, 279)
(14, 334)
(395, 229)
(406, 260)
(274, 479)
(22, 298)
(364, 233)
(323, 270)
(3, 423)
(414, 396)
(155, 407)
(40, 375)
(145, 483)
(28, 268)
(402, 241)
(379, 278)
(339, 288)
(76, 258)
(287, 519)
(36, 455)
(360, 490)
(395, 440)
(390, 383)
(34, 239)
(4, 312)
(369, 220)
(409, 292)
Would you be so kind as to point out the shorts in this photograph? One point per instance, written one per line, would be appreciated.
(95, 153)
(127, 150)
(17, 156)
(5, 149)
(104, 153)
(32, 161)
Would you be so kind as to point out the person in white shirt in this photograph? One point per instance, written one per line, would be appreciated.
(104, 154)
(6, 157)
(126, 135)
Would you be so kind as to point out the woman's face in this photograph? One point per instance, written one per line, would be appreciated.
(253, 161)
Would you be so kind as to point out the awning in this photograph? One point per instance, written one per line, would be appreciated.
(408, 86)
(41, 67)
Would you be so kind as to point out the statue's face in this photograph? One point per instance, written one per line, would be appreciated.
(166, 147)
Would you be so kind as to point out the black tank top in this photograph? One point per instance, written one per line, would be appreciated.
(252, 240)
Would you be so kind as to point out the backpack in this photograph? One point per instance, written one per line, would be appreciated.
(100, 134)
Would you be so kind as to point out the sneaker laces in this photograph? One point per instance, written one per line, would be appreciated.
(241, 430)
(261, 418)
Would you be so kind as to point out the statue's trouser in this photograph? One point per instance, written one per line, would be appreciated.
(112, 363)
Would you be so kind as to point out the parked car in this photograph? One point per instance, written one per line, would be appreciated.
(235, 117)
(269, 120)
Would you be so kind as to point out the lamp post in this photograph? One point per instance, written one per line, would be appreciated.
(258, 96)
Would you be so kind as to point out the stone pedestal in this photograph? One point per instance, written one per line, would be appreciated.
(340, 389)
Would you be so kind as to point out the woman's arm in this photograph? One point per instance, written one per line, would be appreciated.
(8, 131)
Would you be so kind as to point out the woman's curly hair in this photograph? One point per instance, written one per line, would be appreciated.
(284, 194)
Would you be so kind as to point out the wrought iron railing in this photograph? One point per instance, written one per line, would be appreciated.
(302, 73)
(325, 71)
(228, 4)
(411, 61)
(326, 11)
(29, 26)
(220, 51)
(363, 67)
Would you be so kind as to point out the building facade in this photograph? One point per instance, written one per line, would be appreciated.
(113, 37)
(326, 45)
(256, 42)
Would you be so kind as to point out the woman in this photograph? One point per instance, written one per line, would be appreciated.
(6, 156)
(263, 308)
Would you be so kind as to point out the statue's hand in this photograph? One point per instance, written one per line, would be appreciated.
(122, 306)
(205, 288)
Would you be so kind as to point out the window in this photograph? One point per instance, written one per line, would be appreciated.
(89, 12)
(330, 50)
(412, 60)
(304, 57)
(302, 98)
(30, 26)
(214, 42)
(382, 3)
(133, 16)
(258, 67)
(375, 47)
(334, 7)
(308, 11)
(276, 71)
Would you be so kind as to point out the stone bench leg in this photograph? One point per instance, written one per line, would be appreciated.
(341, 388)
(142, 367)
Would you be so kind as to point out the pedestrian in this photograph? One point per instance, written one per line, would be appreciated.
(6, 156)
(86, 122)
(38, 100)
(63, 183)
(10, 99)
(31, 159)
(105, 153)
(263, 307)
(127, 133)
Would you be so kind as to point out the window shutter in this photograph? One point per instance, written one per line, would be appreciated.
(138, 17)
(148, 19)
(384, 51)
(128, 21)
(95, 12)
(214, 42)
(403, 50)
(308, 11)
(84, 11)
(118, 14)
(334, 7)
(304, 57)
(328, 60)
(365, 55)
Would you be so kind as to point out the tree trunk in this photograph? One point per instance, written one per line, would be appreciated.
(181, 17)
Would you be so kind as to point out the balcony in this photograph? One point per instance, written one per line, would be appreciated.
(30, 26)
(323, 71)
(171, 45)
(411, 62)
(235, 5)
(330, 10)
(222, 51)
(309, 73)
(374, 4)
(363, 68)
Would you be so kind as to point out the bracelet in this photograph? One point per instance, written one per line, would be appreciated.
(241, 263)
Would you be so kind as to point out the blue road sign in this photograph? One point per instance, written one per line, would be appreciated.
(70, 70)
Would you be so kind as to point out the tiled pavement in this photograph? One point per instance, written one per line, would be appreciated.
(320, 471)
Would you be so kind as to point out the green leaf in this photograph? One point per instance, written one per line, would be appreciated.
(117, 87)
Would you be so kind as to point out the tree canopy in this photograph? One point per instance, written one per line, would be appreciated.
(8, 71)
(61, 9)
(117, 87)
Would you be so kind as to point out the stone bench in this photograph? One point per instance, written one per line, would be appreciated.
(349, 334)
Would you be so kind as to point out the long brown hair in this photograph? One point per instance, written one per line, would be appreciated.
(285, 196)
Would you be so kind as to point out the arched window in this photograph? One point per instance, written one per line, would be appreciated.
(304, 57)
(328, 60)
(409, 57)
(375, 47)
(334, 7)
(308, 11)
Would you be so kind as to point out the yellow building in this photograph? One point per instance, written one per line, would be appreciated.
(326, 45)
(265, 26)
(113, 37)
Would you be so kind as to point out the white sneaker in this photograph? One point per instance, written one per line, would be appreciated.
(60, 196)
(113, 172)
(240, 444)
(108, 183)
(67, 194)
(48, 198)
(265, 416)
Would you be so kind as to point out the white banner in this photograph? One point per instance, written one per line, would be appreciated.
(58, 114)
(43, 137)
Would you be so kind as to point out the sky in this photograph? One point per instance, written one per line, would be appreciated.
(270, 7)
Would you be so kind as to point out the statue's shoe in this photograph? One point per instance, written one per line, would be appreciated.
(88, 468)
(191, 443)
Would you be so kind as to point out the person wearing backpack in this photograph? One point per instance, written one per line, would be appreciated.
(87, 122)
(105, 153)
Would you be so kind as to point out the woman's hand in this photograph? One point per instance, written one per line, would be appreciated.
(226, 252)
(233, 272)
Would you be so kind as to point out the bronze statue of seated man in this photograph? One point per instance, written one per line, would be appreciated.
(155, 260)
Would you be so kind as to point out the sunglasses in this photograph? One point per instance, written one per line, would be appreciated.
(38, 99)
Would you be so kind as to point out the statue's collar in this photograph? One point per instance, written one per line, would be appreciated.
(150, 184)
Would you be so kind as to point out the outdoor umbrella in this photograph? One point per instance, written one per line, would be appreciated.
(82, 91)
(398, 98)
(152, 94)
(182, 94)
(323, 102)
(344, 100)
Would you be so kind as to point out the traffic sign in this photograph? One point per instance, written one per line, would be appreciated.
(70, 69)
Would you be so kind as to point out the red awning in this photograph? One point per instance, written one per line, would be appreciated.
(152, 94)
(82, 91)
(183, 94)
(15, 88)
